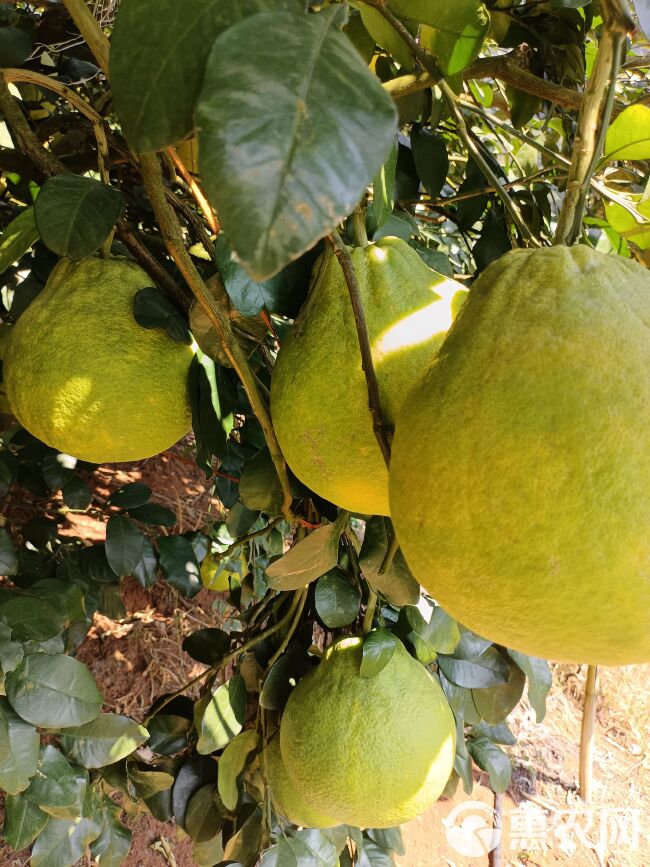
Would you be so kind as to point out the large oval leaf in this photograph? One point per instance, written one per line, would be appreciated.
(288, 149)
(19, 744)
(53, 691)
(103, 741)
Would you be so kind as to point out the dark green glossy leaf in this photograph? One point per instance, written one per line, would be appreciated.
(24, 821)
(195, 773)
(212, 418)
(179, 565)
(63, 841)
(17, 238)
(15, 46)
(495, 238)
(203, 820)
(283, 676)
(31, 617)
(470, 645)
(247, 295)
(8, 559)
(112, 846)
(378, 649)
(76, 494)
(75, 214)
(168, 734)
(58, 788)
(153, 309)
(130, 496)
(93, 563)
(431, 160)
(53, 691)
(259, 485)
(287, 151)
(461, 701)
(495, 703)
(154, 514)
(488, 669)
(243, 847)
(397, 583)
(232, 763)
(206, 645)
(539, 677)
(19, 744)
(440, 634)
(223, 716)
(164, 46)
(498, 734)
(491, 759)
(124, 545)
(104, 741)
(146, 570)
(372, 855)
(455, 33)
(388, 838)
(40, 531)
(337, 600)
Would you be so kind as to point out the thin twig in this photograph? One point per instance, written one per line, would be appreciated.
(594, 118)
(197, 192)
(389, 556)
(368, 617)
(379, 425)
(217, 310)
(484, 166)
(223, 555)
(425, 60)
(296, 610)
(587, 741)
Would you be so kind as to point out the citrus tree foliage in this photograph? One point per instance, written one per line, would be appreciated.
(290, 117)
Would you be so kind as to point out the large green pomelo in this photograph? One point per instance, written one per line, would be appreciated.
(370, 751)
(520, 476)
(319, 398)
(85, 378)
(284, 795)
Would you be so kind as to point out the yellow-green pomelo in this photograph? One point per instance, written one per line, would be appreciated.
(85, 378)
(520, 474)
(286, 799)
(370, 751)
(216, 575)
(5, 331)
(319, 398)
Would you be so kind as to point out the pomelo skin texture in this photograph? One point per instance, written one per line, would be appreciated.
(319, 397)
(85, 378)
(520, 473)
(372, 752)
(286, 799)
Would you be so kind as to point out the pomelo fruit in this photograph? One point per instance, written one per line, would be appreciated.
(319, 398)
(284, 796)
(520, 473)
(369, 751)
(85, 378)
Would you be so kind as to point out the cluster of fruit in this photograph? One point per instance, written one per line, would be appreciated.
(519, 482)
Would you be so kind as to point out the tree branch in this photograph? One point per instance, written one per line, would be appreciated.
(92, 33)
(379, 425)
(26, 140)
(217, 310)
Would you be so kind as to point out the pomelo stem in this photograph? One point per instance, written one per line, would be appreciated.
(368, 617)
(587, 742)
(359, 223)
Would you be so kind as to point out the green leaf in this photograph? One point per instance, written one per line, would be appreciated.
(24, 821)
(247, 295)
(75, 215)
(196, 772)
(164, 46)
(243, 847)
(440, 634)
(148, 784)
(431, 160)
(124, 545)
(15, 46)
(396, 583)
(207, 645)
(130, 496)
(387, 37)
(154, 514)
(179, 564)
(53, 691)
(112, 846)
(283, 676)
(495, 703)
(76, 494)
(287, 150)
(488, 669)
(63, 842)
(212, 418)
(203, 820)
(461, 700)
(8, 558)
(232, 763)
(58, 788)
(498, 734)
(259, 485)
(168, 734)
(493, 761)
(470, 645)
(628, 138)
(372, 855)
(153, 309)
(636, 231)
(310, 558)
(17, 238)
(19, 743)
(388, 838)
(104, 741)
(383, 189)
(539, 677)
(378, 649)
(223, 716)
(146, 570)
(455, 31)
(30, 617)
(337, 600)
